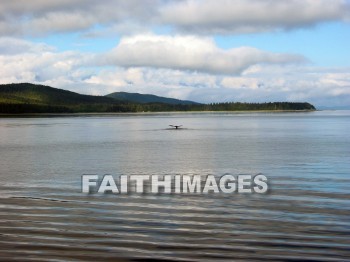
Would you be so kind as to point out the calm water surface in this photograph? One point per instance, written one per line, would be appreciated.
(305, 215)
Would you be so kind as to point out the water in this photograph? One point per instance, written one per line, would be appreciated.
(305, 215)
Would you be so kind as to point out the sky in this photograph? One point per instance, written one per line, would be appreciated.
(201, 50)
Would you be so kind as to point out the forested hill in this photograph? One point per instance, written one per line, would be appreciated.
(31, 98)
(39, 94)
(147, 98)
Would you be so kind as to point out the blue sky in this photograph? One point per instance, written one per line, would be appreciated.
(324, 45)
(207, 51)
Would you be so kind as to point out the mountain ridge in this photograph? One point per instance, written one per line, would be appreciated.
(31, 98)
(148, 98)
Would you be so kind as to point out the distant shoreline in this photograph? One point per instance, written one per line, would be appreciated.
(153, 113)
(32, 99)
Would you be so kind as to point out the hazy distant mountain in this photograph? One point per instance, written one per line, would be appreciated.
(147, 98)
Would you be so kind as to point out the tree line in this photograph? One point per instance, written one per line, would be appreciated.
(20, 108)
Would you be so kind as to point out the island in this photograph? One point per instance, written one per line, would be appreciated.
(28, 98)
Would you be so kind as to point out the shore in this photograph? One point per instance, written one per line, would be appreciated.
(153, 113)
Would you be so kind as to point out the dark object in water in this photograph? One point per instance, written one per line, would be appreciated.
(176, 127)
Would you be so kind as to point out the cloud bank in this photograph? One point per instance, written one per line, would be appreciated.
(251, 16)
(40, 17)
(190, 53)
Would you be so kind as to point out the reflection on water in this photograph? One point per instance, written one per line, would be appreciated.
(305, 215)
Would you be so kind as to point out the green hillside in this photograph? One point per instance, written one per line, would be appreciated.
(39, 94)
(147, 98)
(31, 98)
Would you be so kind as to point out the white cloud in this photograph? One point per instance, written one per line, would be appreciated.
(23, 61)
(11, 46)
(190, 53)
(40, 17)
(241, 83)
(37, 17)
(248, 16)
